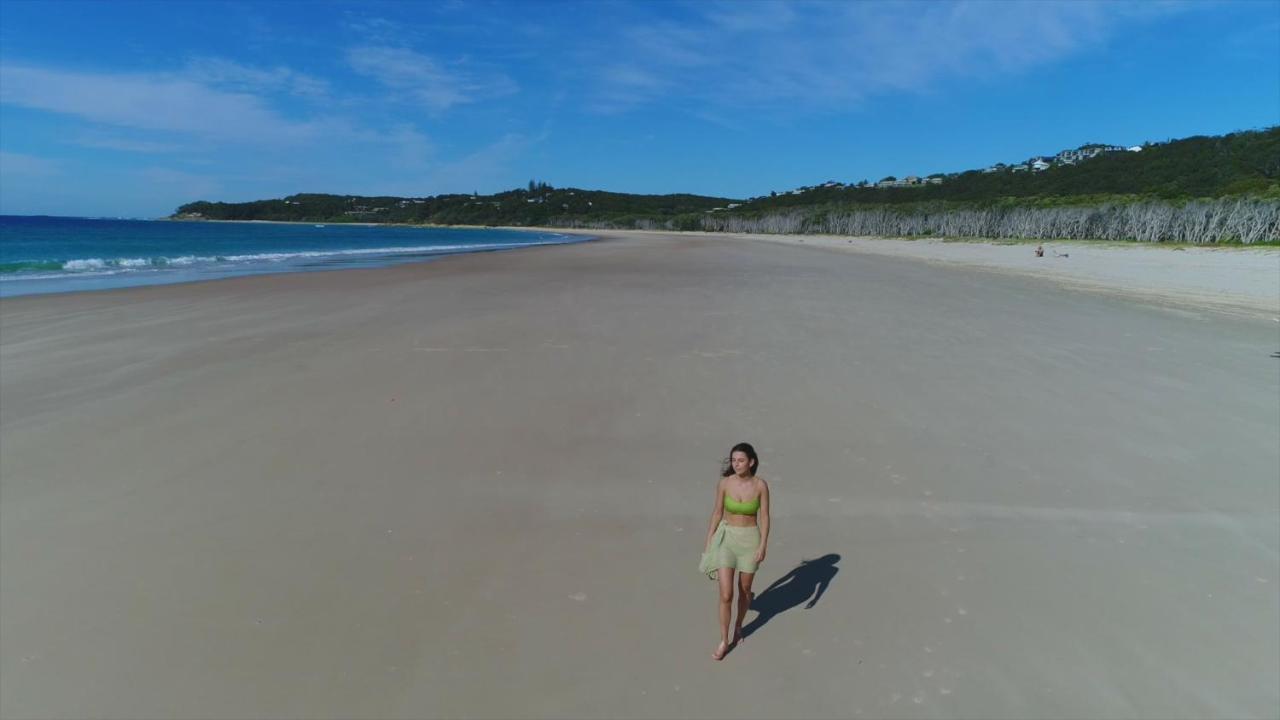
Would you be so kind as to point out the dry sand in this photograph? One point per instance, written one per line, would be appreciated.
(1233, 279)
(478, 487)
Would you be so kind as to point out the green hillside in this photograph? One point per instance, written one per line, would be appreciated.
(1238, 165)
(540, 204)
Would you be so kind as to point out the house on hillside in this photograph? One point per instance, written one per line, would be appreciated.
(1084, 152)
(908, 181)
(1040, 164)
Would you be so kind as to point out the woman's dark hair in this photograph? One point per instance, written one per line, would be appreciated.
(726, 467)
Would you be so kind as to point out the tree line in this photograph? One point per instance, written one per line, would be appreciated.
(1220, 220)
(1199, 189)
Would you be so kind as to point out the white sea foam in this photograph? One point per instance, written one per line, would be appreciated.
(97, 264)
(86, 264)
(275, 257)
(104, 267)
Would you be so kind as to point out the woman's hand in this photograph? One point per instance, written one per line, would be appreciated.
(760, 555)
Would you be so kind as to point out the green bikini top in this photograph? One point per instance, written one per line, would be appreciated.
(741, 508)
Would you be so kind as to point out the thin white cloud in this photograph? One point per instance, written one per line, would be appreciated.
(18, 166)
(408, 147)
(234, 76)
(488, 167)
(179, 184)
(155, 102)
(377, 30)
(671, 44)
(246, 145)
(626, 86)
(108, 141)
(425, 81)
(752, 16)
(826, 55)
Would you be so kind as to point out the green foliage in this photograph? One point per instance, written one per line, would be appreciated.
(1239, 164)
(1244, 164)
(541, 205)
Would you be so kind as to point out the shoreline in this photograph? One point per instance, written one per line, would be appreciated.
(1275, 247)
(343, 223)
(1240, 280)
(200, 256)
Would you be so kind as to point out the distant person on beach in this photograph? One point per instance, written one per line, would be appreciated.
(737, 537)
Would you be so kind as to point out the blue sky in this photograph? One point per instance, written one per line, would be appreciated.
(130, 109)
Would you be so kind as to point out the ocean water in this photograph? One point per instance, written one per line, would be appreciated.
(59, 254)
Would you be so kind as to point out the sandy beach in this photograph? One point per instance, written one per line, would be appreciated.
(1231, 279)
(478, 487)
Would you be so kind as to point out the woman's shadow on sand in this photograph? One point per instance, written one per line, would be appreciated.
(807, 581)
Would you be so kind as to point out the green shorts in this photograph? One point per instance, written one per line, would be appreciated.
(738, 551)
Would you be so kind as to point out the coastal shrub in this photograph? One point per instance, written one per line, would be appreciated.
(1245, 221)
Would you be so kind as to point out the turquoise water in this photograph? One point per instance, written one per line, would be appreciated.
(58, 254)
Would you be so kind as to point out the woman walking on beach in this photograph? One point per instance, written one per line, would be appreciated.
(737, 537)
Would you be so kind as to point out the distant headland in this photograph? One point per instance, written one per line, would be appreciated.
(1203, 189)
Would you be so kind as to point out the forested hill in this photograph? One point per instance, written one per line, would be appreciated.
(1234, 165)
(1238, 165)
(538, 204)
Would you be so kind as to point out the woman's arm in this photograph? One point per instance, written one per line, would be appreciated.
(717, 512)
(762, 519)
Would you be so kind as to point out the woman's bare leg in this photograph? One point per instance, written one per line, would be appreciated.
(725, 576)
(745, 596)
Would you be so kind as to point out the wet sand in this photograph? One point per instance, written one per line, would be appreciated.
(478, 487)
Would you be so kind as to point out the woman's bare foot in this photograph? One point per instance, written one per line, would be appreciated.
(721, 649)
